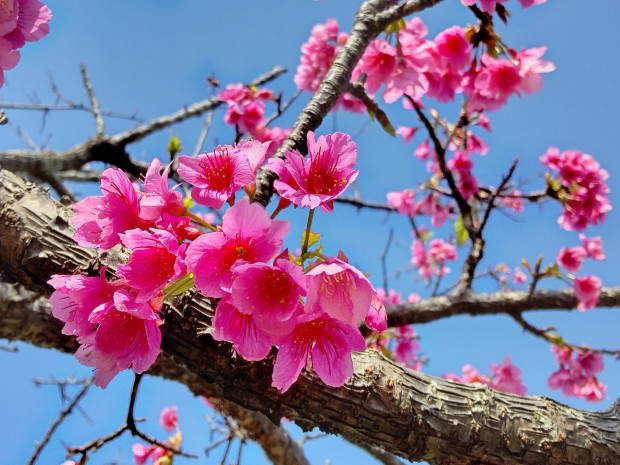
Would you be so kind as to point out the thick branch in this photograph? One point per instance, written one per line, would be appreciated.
(372, 18)
(407, 413)
(108, 149)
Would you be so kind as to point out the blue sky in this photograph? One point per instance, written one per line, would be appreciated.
(153, 58)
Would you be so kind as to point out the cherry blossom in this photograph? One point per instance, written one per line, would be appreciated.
(324, 175)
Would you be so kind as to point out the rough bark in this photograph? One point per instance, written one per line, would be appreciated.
(407, 413)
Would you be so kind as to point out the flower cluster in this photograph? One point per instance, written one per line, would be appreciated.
(21, 21)
(158, 455)
(577, 373)
(246, 111)
(504, 377)
(268, 297)
(432, 262)
(416, 66)
(587, 288)
(581, 189)
(400, 343)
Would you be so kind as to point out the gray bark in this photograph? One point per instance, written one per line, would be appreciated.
(409, 414)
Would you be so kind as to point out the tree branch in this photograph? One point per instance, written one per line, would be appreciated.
(372, 18)
(409, 414)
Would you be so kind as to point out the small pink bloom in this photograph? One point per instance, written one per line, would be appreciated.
(169, 418)
(519, 276)
(584, 181)
(407, 347)
(141, 453)
(587, 290)
(376, 319)
(378, 62)
(453, 47)
(571, 258)
(423, 151)
(328, 342)
(593, 247)
(593, 391)
(491, 84)
(507, 377)
(589, 362)
(530, 67)
(217, 175)
(403, 202)
(407, 133)
(569, 382)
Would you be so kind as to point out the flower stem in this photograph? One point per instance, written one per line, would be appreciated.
(200, 221)
(304, 247)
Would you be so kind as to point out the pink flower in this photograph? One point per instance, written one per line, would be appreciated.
(403, 202)
(100, 219)
(583, 191)
(587, 290)
(376, 319)
(593, 390)
(453, 48)
(589, 362)
(248, 339)
(571, 258)
(378, 62)
(217, 175)
(169, 418)
(324, 175)
(317, 55)
(407, 133)
(141, 453)
(24, 20)
(128, 335)
(407, 347)
(507, 377)
(340, 290)
(423, 151)
(76, 297)
(530, 67)
(156, 260)
(327, 341)
(568, 381)
(247, 235)
(593, 247)
(491, 84)
(157, 197)
(519, 276)
(272, 291)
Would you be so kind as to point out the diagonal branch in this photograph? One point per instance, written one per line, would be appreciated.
(371, 19)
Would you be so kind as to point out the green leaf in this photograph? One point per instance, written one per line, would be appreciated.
(180, 286)
(460, 231)
(314, 238)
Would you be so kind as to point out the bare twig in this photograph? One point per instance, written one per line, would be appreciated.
(62, 415)
(93, 101)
